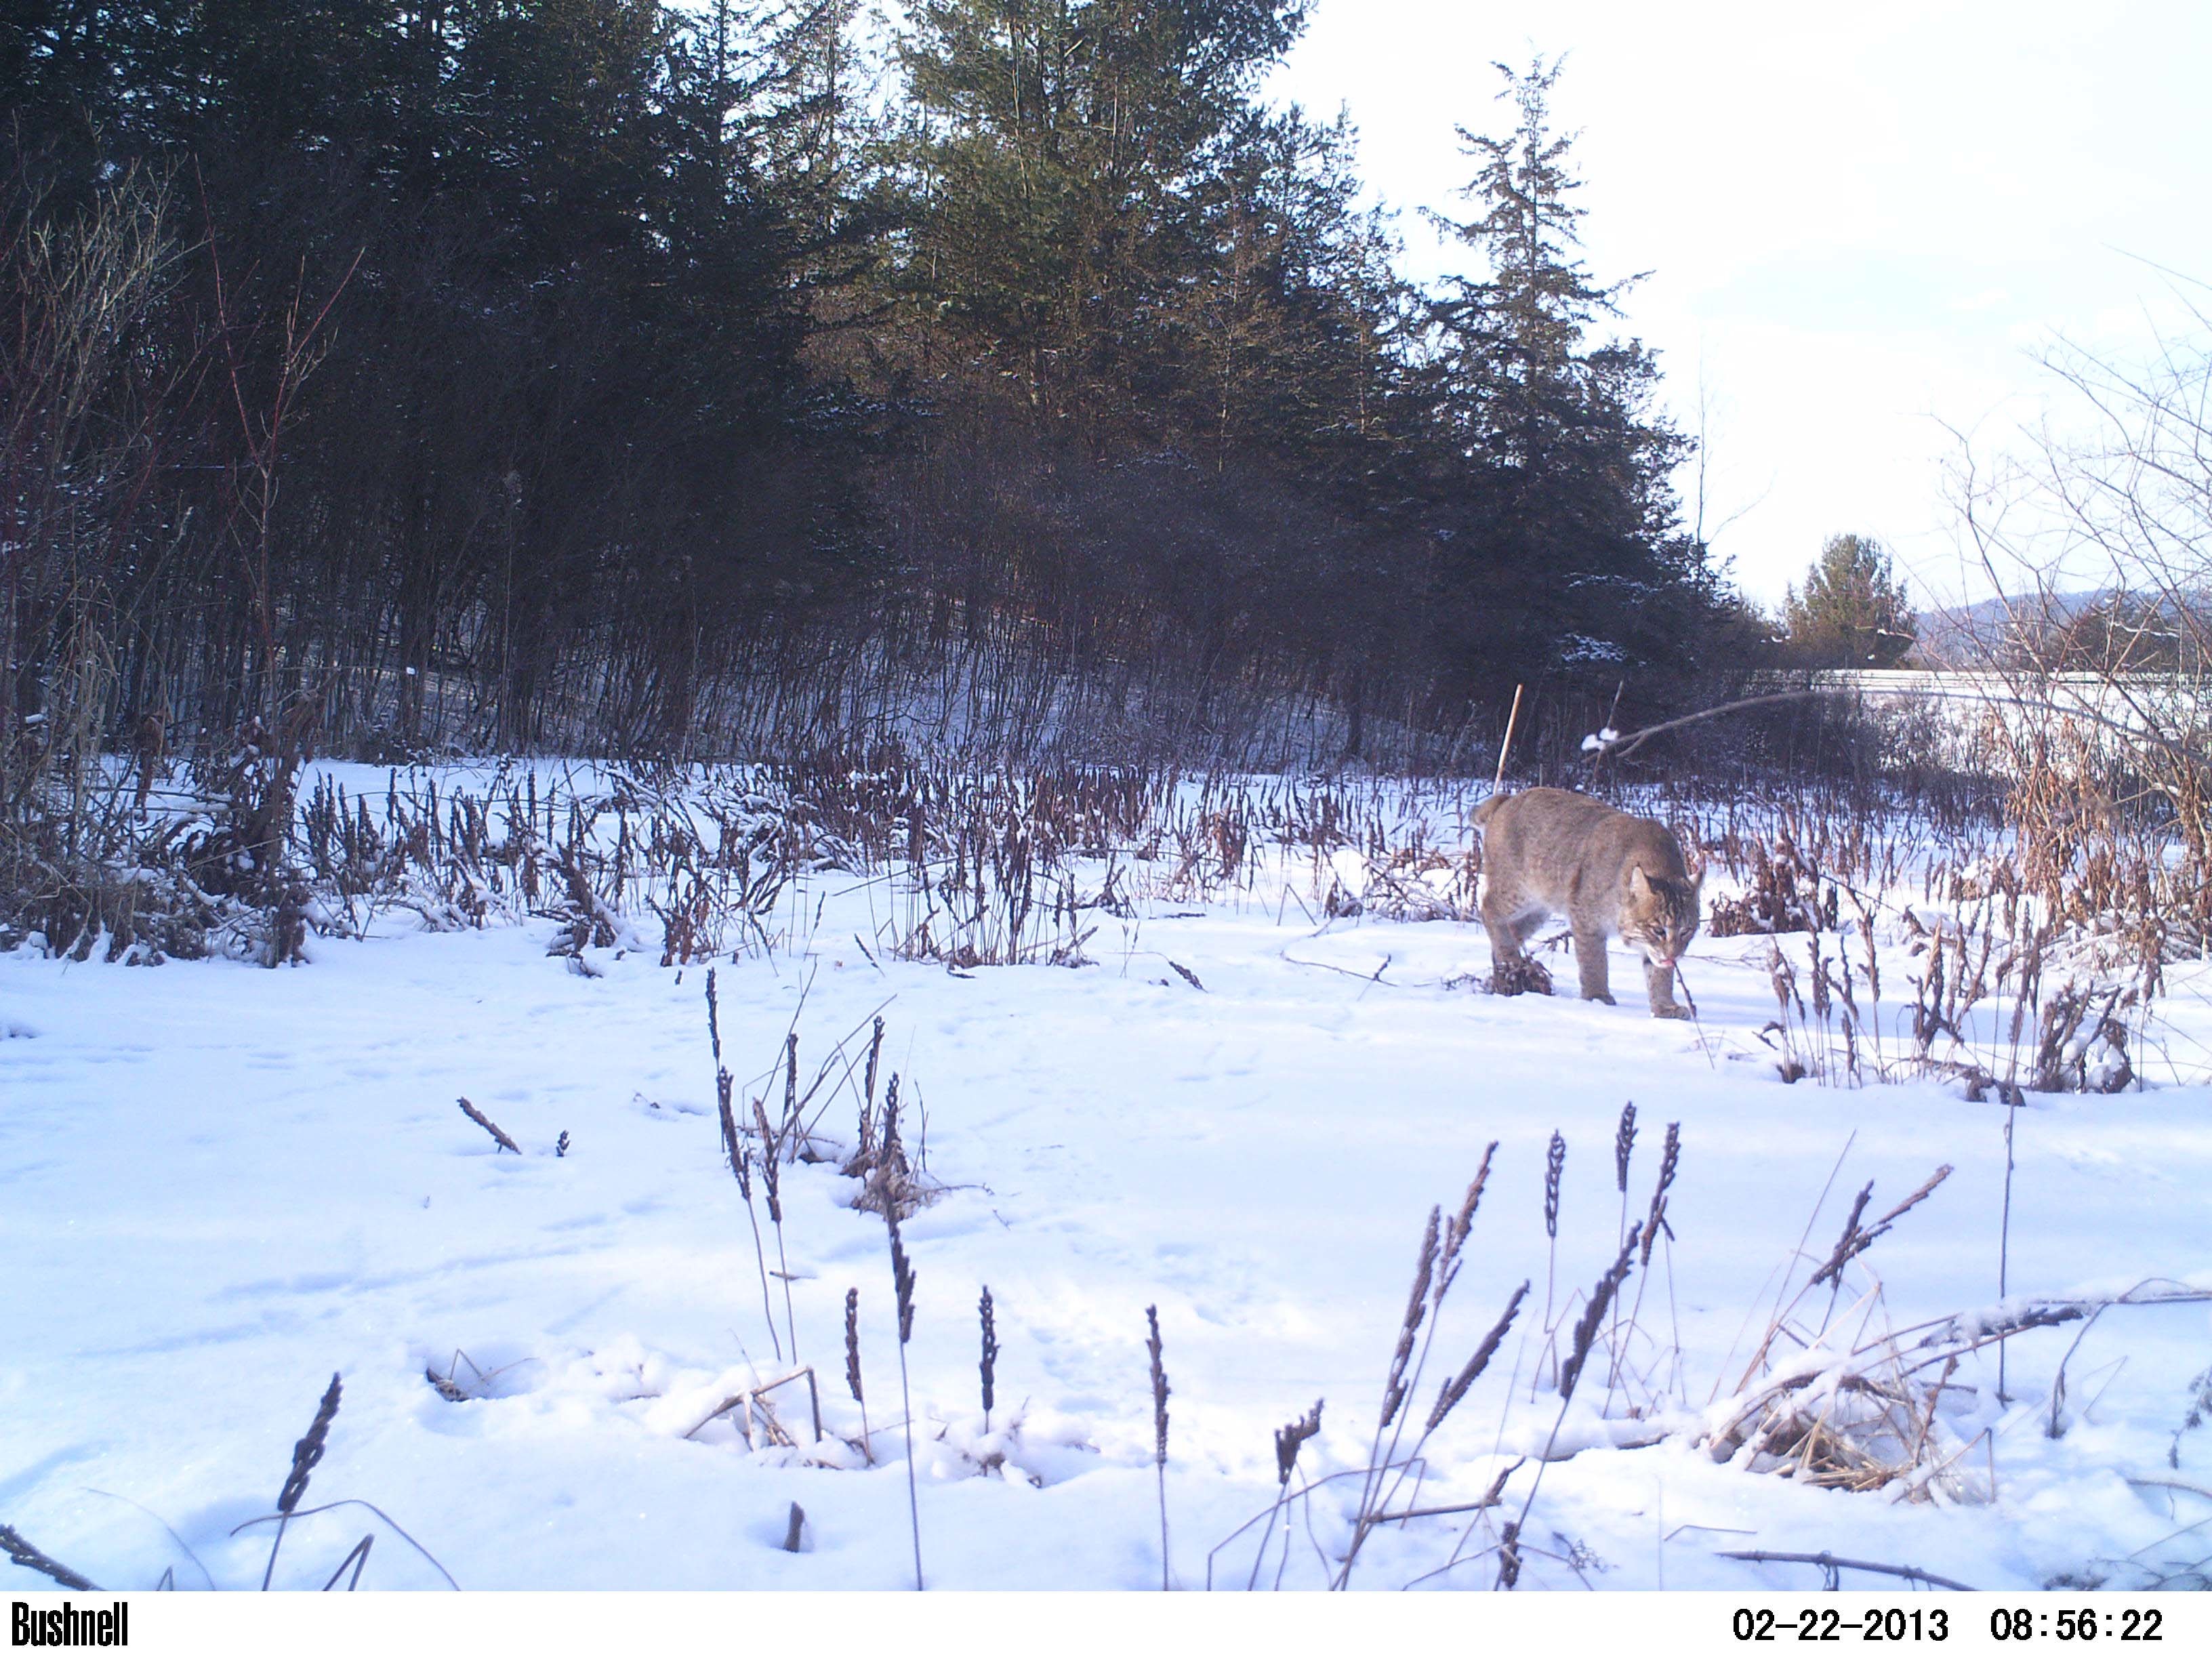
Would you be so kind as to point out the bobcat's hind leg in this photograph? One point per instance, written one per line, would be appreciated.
(1590, 962)
(1511, 970)
(1504, 924)
(1660, 982)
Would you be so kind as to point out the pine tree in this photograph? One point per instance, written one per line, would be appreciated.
(1059, 148)
(1853, 612)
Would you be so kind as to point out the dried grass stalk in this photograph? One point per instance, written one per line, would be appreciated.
(1394, 1390)
(307, 1452)
(853, 1345)
(902, 1282)
(1509, 1555)
(24, 1553)
(713, 1019)
(1462, 1223)
(730, 1142)
(903, 1276)
(1455, 1388)
(990, 1360)
(852, 1368)
(1856, 1240)
(1290, 1437)
(1160, 1423)
(1593, 1314)
(488, 1128)
(1670, 1156)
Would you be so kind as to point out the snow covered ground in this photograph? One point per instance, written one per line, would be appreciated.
(220, 1184)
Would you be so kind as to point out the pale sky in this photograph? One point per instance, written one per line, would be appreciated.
(1864, 222)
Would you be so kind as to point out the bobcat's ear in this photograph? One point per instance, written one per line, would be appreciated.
(1697, 885)
(1639, 885)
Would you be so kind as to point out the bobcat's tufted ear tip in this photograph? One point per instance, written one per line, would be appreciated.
(1639, 882)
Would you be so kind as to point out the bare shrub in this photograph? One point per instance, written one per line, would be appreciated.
(2106, 739)
(1782, 894)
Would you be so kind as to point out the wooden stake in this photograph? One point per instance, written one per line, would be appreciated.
(1511, 720)
(1612, 714)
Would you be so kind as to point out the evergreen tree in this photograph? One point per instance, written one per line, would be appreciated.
(1285, 342)
(1060, 150)
(1566, 543)
(655, 358)
(1852, 612)
(1515, 337)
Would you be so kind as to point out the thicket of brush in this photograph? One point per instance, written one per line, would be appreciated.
(2040, 908)
(2039, 879)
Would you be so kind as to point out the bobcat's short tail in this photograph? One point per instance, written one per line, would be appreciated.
(1482, 812)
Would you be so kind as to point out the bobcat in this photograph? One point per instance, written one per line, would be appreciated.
(1551, 852)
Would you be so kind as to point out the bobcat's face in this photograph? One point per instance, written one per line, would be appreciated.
(1661, 915)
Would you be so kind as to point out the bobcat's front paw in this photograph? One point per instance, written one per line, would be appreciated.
(1670, 1013)
(1605, 997)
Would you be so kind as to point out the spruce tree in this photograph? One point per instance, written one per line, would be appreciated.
(1568, 553)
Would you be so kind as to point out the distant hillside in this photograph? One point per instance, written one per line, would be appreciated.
(2146, 632)
(1966, 635)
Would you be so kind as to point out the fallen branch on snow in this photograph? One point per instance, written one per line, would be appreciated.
(1833, 1564)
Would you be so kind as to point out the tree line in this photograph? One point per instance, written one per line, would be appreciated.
(597, 374)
